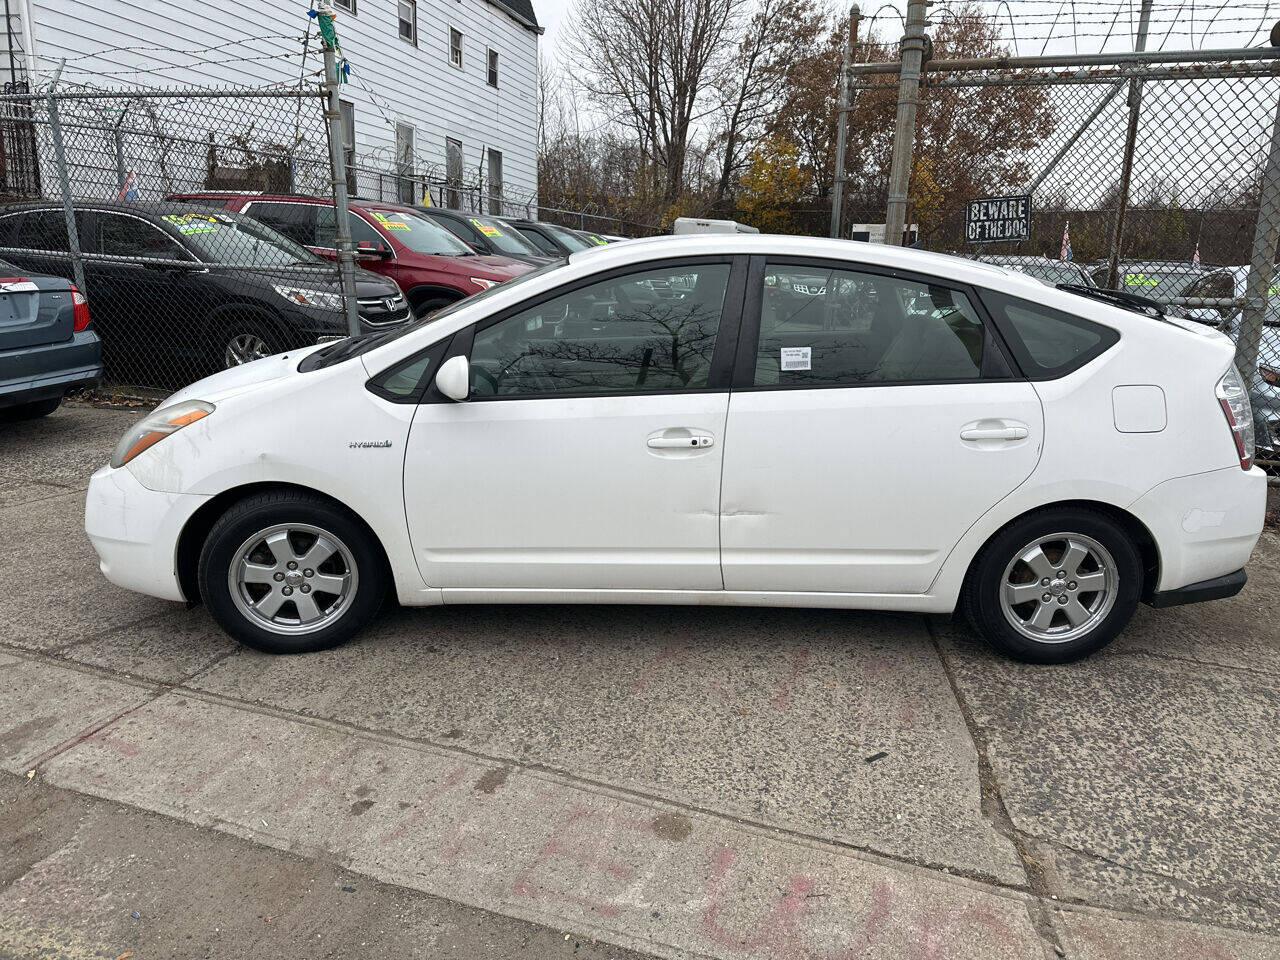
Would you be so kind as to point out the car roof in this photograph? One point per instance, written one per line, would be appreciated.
(136, 207)
(874, 254)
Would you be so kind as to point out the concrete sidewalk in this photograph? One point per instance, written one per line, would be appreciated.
(722, 783)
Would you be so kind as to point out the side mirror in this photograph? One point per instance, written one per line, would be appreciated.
(367, 250)
(453, 379)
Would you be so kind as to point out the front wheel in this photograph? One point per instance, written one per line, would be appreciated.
(1055, 586)
(243, 341)
(288, 572)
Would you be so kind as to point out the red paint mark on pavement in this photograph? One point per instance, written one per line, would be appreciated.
(799, 658)
(586, 850)
(671, 653)
(421, 808)
(75, 739)
(324, 778)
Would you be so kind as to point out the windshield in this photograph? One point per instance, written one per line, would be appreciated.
(567, 237)
(503, 238)
(1052, 273)
(354, 346)
(218, 237)
(1159, 282)
(420, 234)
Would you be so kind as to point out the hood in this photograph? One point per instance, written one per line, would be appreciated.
(369, 284)
(492, 267)
(237, 380)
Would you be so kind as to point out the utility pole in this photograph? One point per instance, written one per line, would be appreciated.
(1131, 135)
(338, 166)
(904, 133)
(842, 120)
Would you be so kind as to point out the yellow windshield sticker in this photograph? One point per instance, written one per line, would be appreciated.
(385, 221)
(1139, 280)
(488, 229)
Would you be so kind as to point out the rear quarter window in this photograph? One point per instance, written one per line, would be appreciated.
(1047, 343)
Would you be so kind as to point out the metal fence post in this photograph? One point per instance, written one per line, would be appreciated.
(842, 122)
(1130, 139)
(1262, 261)
(338, 163)
(64, 185)
(904, 133)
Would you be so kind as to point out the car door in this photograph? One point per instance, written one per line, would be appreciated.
(874, 418)
(588, 455)
(139, 299)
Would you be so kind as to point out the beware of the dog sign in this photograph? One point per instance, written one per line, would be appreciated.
(989, 219)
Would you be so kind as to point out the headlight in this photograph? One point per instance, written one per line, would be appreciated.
(484, 284)
(151, 430)
(309, 298)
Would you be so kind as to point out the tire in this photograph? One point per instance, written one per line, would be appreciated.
(242, 340)
(425, 304)
(257, 598)
(1020, 565)
(30, 411)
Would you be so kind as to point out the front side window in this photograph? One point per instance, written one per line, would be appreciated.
(1046, 342)
(628, 333)
(544, 244)
(831, 327)
(361, 231)
(121, 236)
(297, 221)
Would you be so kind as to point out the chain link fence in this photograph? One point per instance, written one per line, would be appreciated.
(1152, 175)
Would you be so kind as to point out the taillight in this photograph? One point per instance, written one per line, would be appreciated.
(79, 310)
(1234, 400)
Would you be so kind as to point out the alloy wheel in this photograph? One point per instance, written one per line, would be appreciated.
(1059, 587)
(243, 348)
(292, 578)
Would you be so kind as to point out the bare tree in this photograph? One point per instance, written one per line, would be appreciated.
(647, 64)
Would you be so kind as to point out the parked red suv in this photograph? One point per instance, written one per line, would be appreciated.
(433, 267)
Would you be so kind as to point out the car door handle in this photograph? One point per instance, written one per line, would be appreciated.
(994, 433)
(680, 443)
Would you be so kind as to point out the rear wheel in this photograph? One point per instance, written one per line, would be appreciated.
(30, 411)
(290, 572)
(1055, 586)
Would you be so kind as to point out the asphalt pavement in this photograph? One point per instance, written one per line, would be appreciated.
(615, 781)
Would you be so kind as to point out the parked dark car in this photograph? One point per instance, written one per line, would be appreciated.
(47, 344)
(551, 238)
(1155, 279)
(1045, 269)
(177, 291)
(488, 235)
(430, 263)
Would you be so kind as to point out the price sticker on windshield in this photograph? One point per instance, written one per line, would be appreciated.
(385, 221)
(488, 229)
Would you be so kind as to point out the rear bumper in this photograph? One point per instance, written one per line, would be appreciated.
(1218, 588)
(135, 531)
(36, 373)
(1205, 526)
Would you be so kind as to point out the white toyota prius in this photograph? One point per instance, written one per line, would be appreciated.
(757, 420)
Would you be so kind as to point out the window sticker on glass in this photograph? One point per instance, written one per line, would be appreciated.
(797, 358)
(386, 221)
(1139, 280)
(488, 229)
(194, 222)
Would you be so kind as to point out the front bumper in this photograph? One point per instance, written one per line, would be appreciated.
(1205, 526)
(29, 374)
(135, 531)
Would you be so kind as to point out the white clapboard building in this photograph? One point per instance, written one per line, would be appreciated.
(444, 89)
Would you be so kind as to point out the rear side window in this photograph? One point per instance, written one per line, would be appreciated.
(1047, 343)
(297, 221)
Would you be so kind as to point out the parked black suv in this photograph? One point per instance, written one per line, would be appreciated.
(177, 291)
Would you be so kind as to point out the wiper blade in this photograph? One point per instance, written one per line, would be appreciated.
(1117, 298)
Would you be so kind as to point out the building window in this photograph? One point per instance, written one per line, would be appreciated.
(407, 13)
(493, 68)
(455, 47)
(495, 182)
(404, 163)
(348, 5)
(348, 111)
(453, 172)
